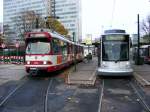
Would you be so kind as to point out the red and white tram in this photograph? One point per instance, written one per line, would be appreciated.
(50, 51)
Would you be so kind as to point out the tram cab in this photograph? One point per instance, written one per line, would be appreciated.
(115, 54)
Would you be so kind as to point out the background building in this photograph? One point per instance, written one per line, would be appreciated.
(134, 39)
(1, 27)
(69, 13)
(13, 8)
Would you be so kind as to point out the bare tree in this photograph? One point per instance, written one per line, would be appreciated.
(145, 27)
(7, 32)
(26, 21)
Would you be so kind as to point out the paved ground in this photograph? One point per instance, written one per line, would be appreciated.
(119, 96)
(70, 98)
(84, 73)
(11, 72)
(142, 72)
(142, 75)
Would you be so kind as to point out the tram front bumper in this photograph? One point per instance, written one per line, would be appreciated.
(113, 72)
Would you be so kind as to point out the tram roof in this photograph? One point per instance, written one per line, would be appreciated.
(56, 35)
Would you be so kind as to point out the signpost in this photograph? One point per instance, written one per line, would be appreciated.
(75, 68)
(17, 46)
(3, 46)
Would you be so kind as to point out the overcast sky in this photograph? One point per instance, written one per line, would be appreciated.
(98, 15)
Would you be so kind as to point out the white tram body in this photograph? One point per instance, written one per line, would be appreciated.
(50, 51)
(115, 59)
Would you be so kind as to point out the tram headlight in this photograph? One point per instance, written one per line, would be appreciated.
(44, 62)
(128, 64)
(28, 62)
(104, 64)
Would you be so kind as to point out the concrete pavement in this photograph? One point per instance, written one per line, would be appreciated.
(85, 73)
(142, 74)
(10, 72)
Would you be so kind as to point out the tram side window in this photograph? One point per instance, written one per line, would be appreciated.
(76, 49)
(56, 46)
(64, 48)
(81, 50)
(69, 48)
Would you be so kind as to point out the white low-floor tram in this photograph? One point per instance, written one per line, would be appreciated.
(115, 59)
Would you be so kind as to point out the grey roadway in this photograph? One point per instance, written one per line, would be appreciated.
(61, 98)
(11, 72)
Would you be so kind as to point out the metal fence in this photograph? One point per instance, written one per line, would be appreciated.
(11, 56)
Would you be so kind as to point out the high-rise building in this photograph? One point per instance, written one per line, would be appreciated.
(69, 13)
(13, 8)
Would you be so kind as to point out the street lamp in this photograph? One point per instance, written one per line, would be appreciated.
(138, 47)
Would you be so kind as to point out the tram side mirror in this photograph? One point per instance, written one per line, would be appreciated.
(130, 42)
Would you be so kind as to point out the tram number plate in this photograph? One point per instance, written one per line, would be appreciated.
(33, 68)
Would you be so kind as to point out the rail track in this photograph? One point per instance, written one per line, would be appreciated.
(121, 95)
(139, 95)
(8, 95)
(46, 96)
(32, 94)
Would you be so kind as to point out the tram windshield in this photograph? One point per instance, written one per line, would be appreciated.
(38, 48)
(115, 51)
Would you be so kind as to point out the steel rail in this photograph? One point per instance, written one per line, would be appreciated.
(146, 106)
(11, 93)
(46, 96)
(101, 97)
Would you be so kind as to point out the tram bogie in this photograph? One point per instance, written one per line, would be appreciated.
(115, 57)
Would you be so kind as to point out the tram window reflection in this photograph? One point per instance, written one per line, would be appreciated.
(116, 51)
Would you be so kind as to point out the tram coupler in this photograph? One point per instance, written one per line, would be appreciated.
(34, 72)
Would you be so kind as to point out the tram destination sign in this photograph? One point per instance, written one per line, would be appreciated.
(114, 31)
(34, 35)
(115, 37)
